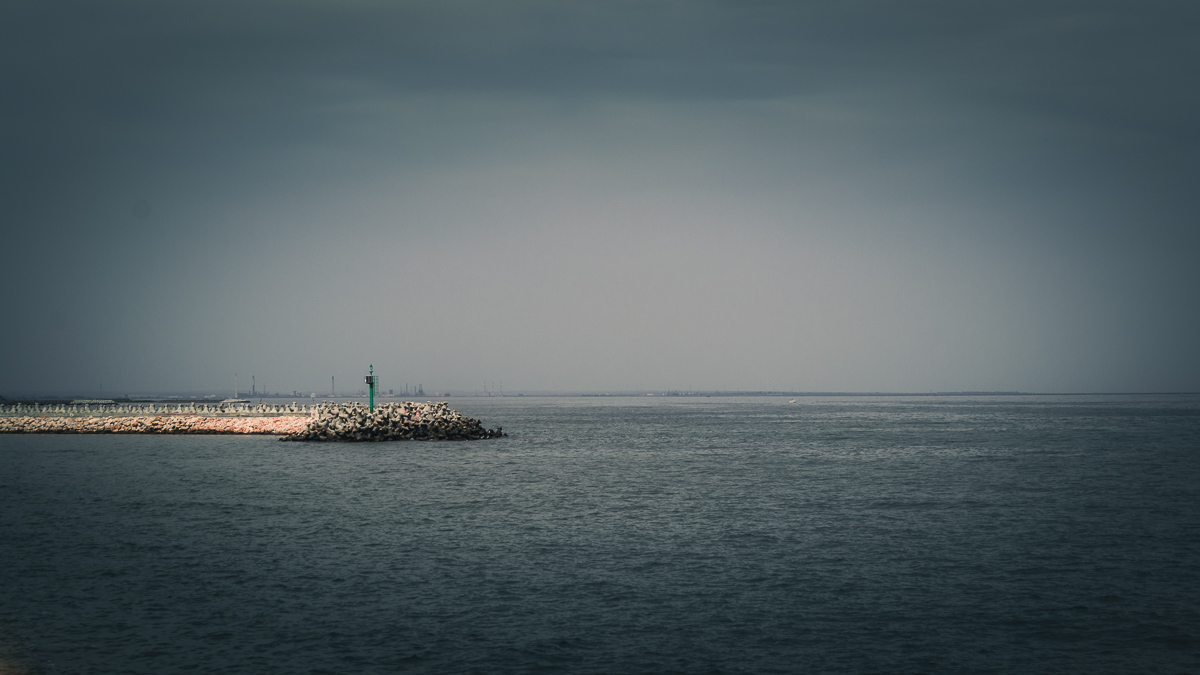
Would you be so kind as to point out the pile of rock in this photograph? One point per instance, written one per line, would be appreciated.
(156, 424)
(326, 422)
(392, 422)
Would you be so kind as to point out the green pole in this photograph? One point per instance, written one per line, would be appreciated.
(371, 379)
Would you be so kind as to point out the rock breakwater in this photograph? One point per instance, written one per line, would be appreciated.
(158, 424)
(324, 422)
(392, 422)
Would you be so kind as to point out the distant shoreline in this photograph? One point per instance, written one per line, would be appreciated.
(51, 400)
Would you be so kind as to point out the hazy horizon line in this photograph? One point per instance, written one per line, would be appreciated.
(580, 393)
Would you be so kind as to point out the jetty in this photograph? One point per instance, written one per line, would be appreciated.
(319, 422)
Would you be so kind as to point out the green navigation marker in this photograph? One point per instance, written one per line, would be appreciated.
(371, 380)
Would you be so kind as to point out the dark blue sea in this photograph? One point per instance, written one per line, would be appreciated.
(1005, 534)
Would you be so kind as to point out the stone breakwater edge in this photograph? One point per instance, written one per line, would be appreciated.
(321, 422)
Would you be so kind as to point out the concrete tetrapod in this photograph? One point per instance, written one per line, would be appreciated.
(392, 422)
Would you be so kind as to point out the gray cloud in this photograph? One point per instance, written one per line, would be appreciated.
(854, 196)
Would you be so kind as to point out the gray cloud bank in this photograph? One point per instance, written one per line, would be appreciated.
(856, 196)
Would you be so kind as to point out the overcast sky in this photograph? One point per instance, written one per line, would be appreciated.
(641, 194)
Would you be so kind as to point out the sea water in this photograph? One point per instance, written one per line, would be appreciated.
(1007, 534)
